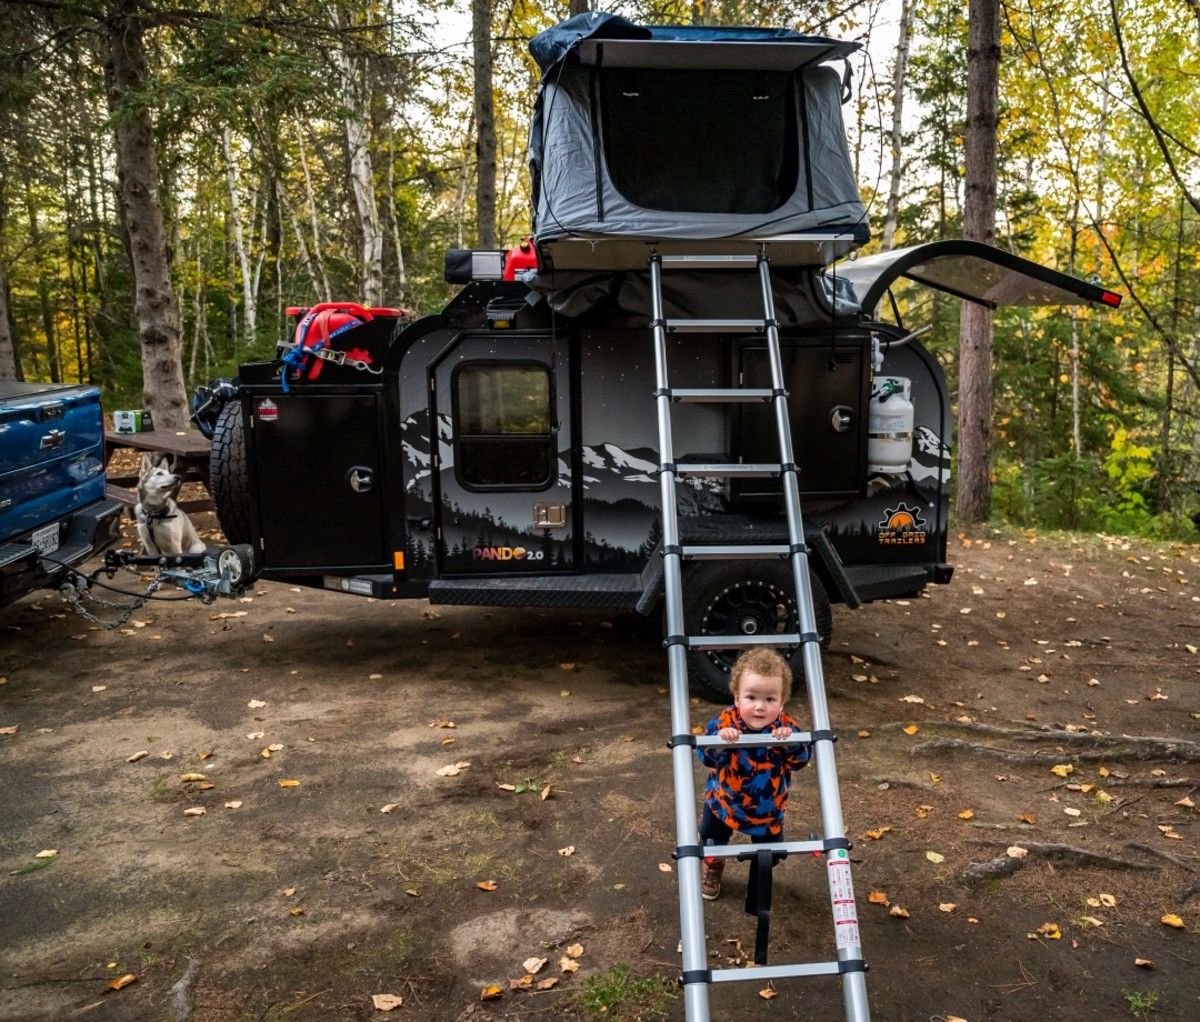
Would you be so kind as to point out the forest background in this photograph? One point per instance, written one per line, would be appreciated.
(236, 157)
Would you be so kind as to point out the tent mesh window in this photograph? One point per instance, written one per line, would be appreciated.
(700, 141)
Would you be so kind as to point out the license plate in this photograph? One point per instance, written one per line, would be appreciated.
(45, 539)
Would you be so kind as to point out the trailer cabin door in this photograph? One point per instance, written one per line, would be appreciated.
(503, 504)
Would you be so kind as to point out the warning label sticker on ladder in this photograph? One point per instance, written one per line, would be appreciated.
(841, 894)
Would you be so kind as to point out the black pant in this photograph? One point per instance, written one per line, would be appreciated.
(717, 832)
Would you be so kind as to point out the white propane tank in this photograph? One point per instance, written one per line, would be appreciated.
(890, 426)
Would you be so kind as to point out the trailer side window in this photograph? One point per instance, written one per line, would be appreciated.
(502, 426)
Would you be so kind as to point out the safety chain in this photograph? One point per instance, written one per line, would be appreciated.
(72, 595)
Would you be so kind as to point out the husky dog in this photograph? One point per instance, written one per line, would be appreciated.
(163, 527)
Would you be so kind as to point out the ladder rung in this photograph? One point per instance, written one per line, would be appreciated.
(709, 326)
(706, 262)
(791, 847)
(720, 394)
(739, 471)
(797, 738)
(739, 641)
(761, 972)
(734, 553)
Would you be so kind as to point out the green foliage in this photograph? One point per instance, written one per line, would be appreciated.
(618, 996)
(1140, 1004)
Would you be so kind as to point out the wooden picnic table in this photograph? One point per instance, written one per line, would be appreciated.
(189, 449)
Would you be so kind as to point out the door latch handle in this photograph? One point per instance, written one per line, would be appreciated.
(361, 479)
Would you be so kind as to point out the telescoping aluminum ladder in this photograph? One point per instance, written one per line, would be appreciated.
(696, 972)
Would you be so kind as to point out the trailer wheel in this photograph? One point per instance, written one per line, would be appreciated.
(230, 476)
(238, 563)
(745, 599)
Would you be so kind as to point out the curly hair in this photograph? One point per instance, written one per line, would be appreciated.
(763, 661)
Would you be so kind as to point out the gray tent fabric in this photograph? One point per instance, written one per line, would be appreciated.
(668, 147)
(691, 135)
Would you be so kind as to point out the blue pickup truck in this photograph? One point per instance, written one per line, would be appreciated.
(54, 514)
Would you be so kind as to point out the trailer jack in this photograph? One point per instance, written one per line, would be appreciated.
(221, 571)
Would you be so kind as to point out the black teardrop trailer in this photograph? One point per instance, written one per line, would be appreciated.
(503, 452)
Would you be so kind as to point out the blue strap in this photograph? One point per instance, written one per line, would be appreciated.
(296, 360)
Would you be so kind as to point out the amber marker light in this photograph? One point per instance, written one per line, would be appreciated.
(398, 559)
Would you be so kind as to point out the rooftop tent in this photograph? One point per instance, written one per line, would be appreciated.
(729, 137)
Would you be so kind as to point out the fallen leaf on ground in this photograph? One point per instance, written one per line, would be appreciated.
(548, 983)
(898, 912)
(47, 853)
(99, 688)
(506, 787)
(947, 906)
(1062, 769)
(935, 857)
(876, 835)
(546, 792)
(235, 804)
(575, 951)
(386, 1002)
(911, 699)
(767, 992)
(566, 964)
(256, 704)
(1092, 920)
(1108, 900)
(966, 814)
(487, 885)
(289, 784)
(878, 898)
(276, 747)
(440, 722)
(140, 754)
(1143, 963)
(1017, 852)
(289, 891)
(122, 981)
(524, 983)
(912, 729)
(664, 867)
(1173, 920)
(195, 811)
(412, 892)
(490, 993)
(569, 850)
(189, 778)
(1050, 931)
(532, 965)
(254, 734)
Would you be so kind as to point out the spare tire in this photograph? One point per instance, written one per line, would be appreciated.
(749, 598)
(230, 476)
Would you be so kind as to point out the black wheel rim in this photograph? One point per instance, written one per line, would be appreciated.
(748, 608)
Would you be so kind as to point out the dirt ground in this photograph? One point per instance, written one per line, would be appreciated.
(336, 860)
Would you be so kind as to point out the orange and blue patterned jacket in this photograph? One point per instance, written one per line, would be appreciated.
(748, 785)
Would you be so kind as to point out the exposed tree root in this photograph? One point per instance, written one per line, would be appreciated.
(1149, 850)
(1184, 893)
(1137, 746)
(1063, 855)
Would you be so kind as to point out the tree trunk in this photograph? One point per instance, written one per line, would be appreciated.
(899, 73)
(974, 497)
(154, 306)
(583, 6)
(249, 290)
(356, 100)
(8, 354)
(485, 124)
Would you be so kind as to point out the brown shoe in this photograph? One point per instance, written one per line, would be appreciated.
(710, 878)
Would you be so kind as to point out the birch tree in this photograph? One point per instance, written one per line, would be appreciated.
(356, 99)
(899, 75)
